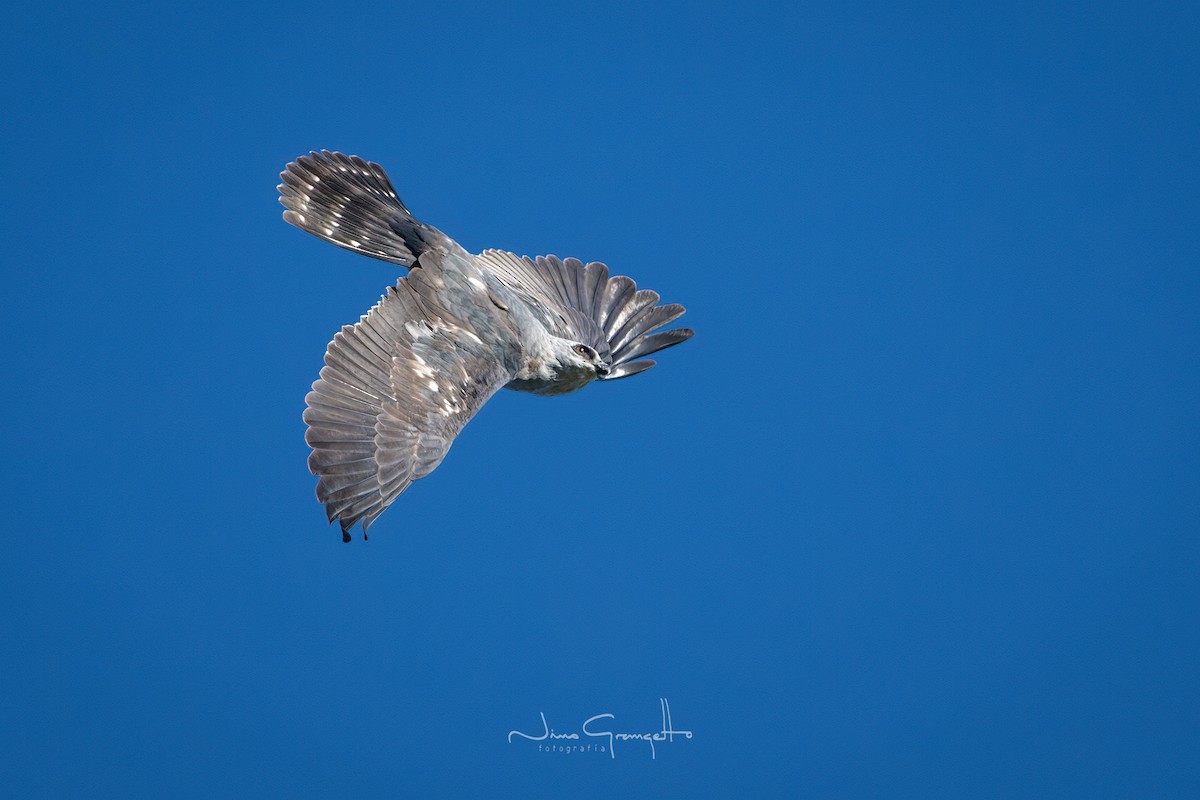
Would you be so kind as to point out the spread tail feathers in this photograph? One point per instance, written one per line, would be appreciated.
(351, 203)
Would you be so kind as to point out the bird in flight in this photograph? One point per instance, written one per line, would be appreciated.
(399, 385)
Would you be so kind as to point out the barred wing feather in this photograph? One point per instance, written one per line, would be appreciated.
(396, 389)
(581, 301)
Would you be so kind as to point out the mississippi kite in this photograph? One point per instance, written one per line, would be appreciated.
(399, 385)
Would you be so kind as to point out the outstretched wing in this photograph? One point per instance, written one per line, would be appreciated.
(396, 389)
(582, 302)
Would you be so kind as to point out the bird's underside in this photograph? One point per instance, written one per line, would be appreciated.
(399, 385)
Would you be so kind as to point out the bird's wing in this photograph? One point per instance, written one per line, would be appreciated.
(582, 302)
(396, 389)
(351, 203)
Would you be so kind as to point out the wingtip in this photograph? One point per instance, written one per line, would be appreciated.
(629, 369)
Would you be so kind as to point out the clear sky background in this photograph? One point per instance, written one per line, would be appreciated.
(914, 514)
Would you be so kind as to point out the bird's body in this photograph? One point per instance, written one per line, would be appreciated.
(398, 386)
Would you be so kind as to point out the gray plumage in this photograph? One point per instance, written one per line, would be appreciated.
(399, 385)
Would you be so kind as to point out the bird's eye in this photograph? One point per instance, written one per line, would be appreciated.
(582, 350)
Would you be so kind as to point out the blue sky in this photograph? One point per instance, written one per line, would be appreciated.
(914, 513)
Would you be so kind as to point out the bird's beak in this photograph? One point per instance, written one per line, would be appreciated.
(603, 369)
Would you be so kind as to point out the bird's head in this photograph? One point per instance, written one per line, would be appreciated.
(577, 356)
